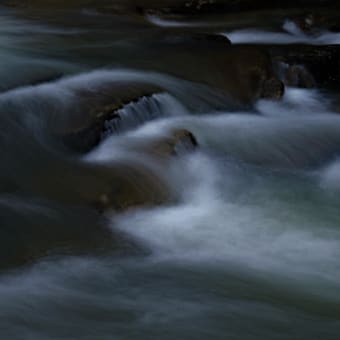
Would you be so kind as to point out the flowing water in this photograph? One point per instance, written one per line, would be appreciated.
(249, 250)
(290, 34)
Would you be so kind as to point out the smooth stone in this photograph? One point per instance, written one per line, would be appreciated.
(174, 143)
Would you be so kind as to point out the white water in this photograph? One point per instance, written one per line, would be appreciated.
(256, 229)
(65, 90)
(157, 21)
(291, 35)
(248, 252)
(241, 239)
(230, 214)
(295, 103)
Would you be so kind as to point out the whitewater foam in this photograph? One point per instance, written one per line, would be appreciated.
(291, 35)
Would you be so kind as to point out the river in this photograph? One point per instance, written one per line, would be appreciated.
(250, 249)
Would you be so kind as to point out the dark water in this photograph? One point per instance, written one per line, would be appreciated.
(251, 248)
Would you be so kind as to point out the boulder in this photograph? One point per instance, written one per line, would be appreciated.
(82, 129)
(240, 73)
(299, 76)
(317, 21)
(310, 65)
(46, 173)
(116, 185)
(176, 142)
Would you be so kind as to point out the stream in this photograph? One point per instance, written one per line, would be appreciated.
(250, 247)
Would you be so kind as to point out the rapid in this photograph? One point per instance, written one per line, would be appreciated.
(248, 246)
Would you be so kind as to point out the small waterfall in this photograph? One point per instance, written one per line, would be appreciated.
(64, 99)
(146, 109)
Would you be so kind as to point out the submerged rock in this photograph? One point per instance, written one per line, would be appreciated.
(45, 173)
(32, 80)
(174, 143)
(36, 229)
(56, 214)
(124, 182)
(120, 185)
(116, 185)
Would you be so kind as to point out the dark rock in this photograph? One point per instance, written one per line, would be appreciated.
(217, 6)
(82, 131)
(299, 76)
(317, 21)
(320, 64)
(43, 172)
(237, 72)
(116, 185)
(173, 6)
(176, 142)
(273, 88)
(37, 229)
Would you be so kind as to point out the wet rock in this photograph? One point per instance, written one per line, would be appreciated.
(116, 185)
(318, 21)
(242, 74)
(295, 75)
(273, 88)
(322, 63)
(82, 130)
(309, 23)
(134, 185)
(46, 173)
(173, 6)
(299, 76)
(216, 6)
(238, 72)
(176, 142)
